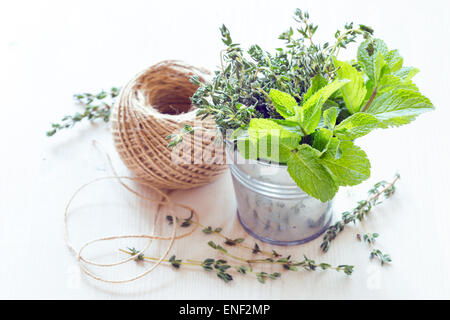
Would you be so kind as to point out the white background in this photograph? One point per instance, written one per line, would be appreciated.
(52, 49)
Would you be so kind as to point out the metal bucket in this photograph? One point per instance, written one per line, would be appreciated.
(271, 207)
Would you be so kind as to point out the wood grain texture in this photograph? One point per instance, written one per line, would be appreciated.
(54, 49)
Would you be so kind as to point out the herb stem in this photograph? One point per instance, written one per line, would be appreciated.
(220, 266)
(389, 186)
(372, 97)
(190, 263)
(221, 60)
(286, 262)
(342, 37)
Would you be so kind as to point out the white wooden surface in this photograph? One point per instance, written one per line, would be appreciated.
(52, 49)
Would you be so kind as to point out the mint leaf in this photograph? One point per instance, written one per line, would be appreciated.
(394, 60)
(371, 58)
(353, 92)
(311, 176)
(311, 110)
(289, 125)
(406, 73)
(351, 168)
(317, 83)
(399, 106)
(272, 141)
(355, 126)
(391, 81)
(330, 116)
(284, 103)
(322, 139)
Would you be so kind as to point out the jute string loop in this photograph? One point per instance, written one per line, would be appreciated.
(165, 201)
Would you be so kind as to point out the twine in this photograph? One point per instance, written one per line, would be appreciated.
(153, 105)
(166, 201)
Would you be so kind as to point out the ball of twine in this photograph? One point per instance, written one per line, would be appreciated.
(153, 105)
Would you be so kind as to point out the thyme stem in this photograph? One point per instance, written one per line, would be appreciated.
(336, 45)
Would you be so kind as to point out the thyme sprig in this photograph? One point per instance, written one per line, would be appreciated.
(222, 267)
(286, 262)
(364, 207)
(370, 239)
(96, 106)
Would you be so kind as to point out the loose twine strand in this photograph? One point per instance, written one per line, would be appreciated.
(165, 201)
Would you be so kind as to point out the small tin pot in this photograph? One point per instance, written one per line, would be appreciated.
(270, 205)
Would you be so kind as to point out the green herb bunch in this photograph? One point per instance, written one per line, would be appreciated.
(304, 108)
(240, 89)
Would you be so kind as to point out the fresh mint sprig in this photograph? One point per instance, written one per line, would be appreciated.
(304, 108)
(315, 138)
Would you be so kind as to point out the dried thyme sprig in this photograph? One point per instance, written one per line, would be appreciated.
(363, 208)
(96, 106)
(370, 239)
(220, 266)
(287, 263)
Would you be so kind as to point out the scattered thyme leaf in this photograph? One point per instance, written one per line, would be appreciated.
(207, 230)
(224, 276)
(370, 239)
(384, 258)
(230, 242)
(275, 254)
(175, 262)
(139, 257)
(256, 249)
